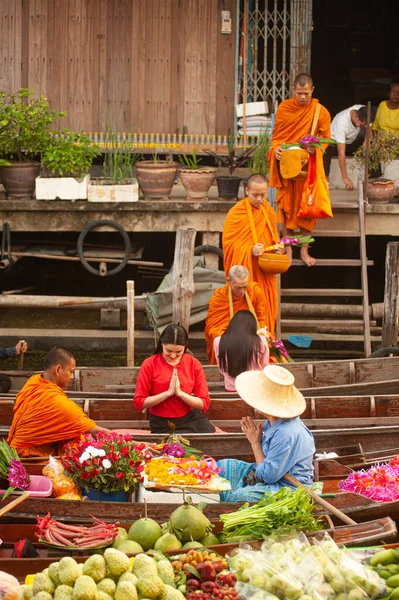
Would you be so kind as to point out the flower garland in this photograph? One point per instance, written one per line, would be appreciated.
(379, 483)
(171, 469)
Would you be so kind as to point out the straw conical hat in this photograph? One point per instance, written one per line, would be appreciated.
(271, 391)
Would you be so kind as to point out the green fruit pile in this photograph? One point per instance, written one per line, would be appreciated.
(386, 564)
(110, 577)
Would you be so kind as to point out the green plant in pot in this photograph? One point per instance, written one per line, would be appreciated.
(383, 151)
(258, 162)
(196, 180)
(24, 134)
(118, 183)
(66, 163)
(156, 177)
(228, 185)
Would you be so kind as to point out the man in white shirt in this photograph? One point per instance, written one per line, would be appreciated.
(345, 128)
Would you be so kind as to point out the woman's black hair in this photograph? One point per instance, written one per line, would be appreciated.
(173, 334)
(240, 344)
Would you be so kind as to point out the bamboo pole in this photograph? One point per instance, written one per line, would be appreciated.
(244, 74)
(130, 323)
(88, 258)
(367, 157)
(183, 276)
(390, 319)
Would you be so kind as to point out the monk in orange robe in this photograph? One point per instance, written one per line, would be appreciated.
(250, 227)
(243, 295)
(294, 120)
(44, 417)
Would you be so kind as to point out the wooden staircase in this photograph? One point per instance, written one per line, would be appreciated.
(309, 326)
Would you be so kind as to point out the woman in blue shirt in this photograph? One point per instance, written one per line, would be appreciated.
(283, 445)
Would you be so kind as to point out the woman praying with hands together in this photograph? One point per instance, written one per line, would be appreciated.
(171, 384)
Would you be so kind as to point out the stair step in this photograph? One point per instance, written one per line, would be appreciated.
(334, 262)
(321, 292)
(332, 233)
(320, 322)
(331, 337)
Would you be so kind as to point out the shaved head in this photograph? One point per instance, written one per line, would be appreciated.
(238, 272)
(303, 79)
(58, 356)
(256, 178)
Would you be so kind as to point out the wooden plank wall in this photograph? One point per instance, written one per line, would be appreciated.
(152, 66)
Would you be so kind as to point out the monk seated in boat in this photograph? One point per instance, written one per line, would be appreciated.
(283, 445)
(44, 417)
(238, 294)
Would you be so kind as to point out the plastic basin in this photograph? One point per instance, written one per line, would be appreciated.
(40, 487)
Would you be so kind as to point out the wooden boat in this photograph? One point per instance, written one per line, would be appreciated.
(347, 535)
(345, 377)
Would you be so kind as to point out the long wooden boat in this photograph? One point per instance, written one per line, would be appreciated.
(348, 535)
(369, 375)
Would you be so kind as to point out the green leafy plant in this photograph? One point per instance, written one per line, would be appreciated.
(384, 148)
(190, 162)
(233, 160)
(120, 160)
(69, 155)
(259, 162)
(25, 124)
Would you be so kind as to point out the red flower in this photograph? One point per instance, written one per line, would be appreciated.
(127, 437)
(125, 451)
(85, 476)
(120, 475)
(95, 461)
(140, 469)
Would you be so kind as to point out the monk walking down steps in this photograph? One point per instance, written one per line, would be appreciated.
(249, 228)
(44, 417)
(298, 173)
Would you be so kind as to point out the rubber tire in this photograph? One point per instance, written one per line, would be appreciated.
(385, 352)
(81, 239)
(202, 249)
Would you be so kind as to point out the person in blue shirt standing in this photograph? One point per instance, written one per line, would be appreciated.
(5, 381)
(283, 445)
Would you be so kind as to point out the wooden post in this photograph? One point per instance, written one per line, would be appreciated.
(245, 73)
(183, 276)
(130, 323)
(367, 157)
(390, 319)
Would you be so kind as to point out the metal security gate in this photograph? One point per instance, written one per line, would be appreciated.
(274, 36)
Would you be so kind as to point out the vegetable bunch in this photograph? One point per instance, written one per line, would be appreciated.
(75, 536)
(286, 508)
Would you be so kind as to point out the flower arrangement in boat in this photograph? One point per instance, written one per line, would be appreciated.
(180, 470)
(110, 462)
(379, 483)
(309, 141)
(12, 472)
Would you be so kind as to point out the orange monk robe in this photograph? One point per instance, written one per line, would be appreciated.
(238, 242)
(219, 313)
(292, 122)
(43, 416)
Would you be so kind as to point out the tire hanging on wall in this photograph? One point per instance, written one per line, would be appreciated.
(125, 238)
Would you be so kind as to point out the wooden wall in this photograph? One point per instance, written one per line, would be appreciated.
(145, 65)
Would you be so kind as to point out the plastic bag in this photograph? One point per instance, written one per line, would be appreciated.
(289, 568)
(62, 483)
(315, 200)
(9, 587)
(69, 496)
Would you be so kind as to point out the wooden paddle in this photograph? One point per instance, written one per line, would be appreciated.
(335, 511)
(14, 503)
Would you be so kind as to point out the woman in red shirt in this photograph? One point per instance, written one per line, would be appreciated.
(171, 384)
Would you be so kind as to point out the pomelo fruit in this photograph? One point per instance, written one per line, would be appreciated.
(168, 541)
(145, 532)
(192, 545)
(209, 539)
(130, 547)
(189, 523)
(121, 537)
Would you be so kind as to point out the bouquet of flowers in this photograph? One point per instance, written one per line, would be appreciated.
(298, 240)
(308, 141)
(278, 353)
(110, 462)
(12, 472)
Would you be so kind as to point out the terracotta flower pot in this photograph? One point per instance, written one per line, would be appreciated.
(156, 179)
(19, 179)
(380, 191)
(197, 182)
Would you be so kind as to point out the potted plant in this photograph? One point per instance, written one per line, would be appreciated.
(117, 183)
(109, 466)
(195, 179)
(156, 177)
(383, 151)
(228, 185)
(66, 161)
(24, 133)
(258, 162)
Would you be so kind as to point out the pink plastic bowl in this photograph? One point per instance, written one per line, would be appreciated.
(40, 487)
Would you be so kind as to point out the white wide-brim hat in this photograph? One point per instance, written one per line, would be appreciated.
(271, 391)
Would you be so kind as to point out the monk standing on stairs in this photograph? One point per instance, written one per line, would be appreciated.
(295, 118)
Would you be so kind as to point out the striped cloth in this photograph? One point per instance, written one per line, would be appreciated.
(235, 471)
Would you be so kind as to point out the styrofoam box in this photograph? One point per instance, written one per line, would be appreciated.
(114, 193)
(175, 497)
(252, 108)
(62, 188)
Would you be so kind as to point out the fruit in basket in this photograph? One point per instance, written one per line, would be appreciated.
(166, 572)
(116, 561)
(95, 567)
(150, 587)
(127, 576)
(84, 589)
(68, 570)
(42, 583)
(63, 592)
(53, 573)
(170, 593)
(125, 590)
(43, 596)
(188, 522)
(144, 566)
(168, 541)
(103, 596)
(145, 532)
(107, 585)
(27, 593)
